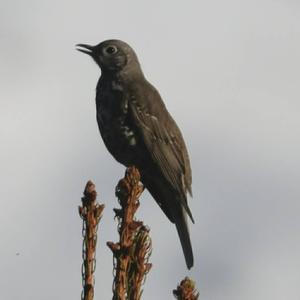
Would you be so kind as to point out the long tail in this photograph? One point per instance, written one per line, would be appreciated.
(174, 210)
(183, 232)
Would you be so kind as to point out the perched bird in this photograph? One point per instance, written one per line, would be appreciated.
(138, 130)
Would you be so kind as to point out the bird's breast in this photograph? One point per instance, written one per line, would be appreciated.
(114, 123)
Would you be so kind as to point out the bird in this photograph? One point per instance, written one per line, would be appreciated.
(138, 130)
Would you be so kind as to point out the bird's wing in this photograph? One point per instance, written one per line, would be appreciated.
(163, 140)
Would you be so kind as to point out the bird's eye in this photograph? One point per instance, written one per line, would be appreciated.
(111, 50)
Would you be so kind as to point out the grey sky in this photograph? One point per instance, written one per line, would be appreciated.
(229, 74)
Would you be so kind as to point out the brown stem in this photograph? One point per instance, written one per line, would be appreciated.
(186, 290)
(91, 213)
(133, 249)
(139, 266)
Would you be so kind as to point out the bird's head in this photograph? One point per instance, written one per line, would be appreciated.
(112, 56)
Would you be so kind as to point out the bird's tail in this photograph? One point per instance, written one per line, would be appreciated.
(183, 232)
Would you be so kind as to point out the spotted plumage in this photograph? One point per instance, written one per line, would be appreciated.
(138, 130)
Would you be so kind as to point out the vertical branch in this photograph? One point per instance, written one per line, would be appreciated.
(91, 213)
(132, 251)
(186, 290)
(139, 266)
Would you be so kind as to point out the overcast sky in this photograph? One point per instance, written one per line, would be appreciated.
(229, 74)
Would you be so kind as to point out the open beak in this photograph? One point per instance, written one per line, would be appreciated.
(87, 49)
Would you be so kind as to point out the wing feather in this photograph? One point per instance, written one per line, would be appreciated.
(165, 144)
